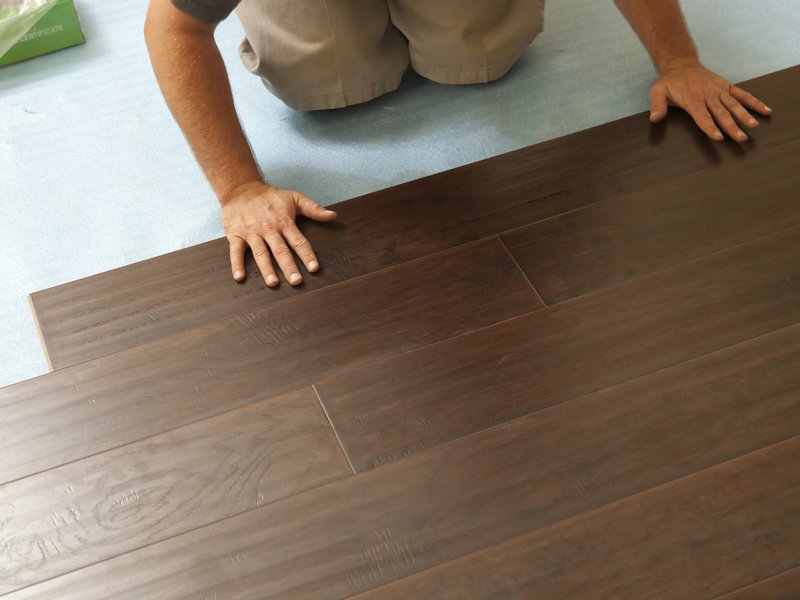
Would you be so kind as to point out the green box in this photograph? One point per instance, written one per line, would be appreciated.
(57, 28)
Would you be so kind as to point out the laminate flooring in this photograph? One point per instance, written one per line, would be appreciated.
(571, 371)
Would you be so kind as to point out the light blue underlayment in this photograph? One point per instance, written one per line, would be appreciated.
(95, 175)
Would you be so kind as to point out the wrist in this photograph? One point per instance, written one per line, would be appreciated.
(246, 189)
(683, 61)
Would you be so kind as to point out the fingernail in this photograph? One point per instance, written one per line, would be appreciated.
(312, 265)
(271, 280)
(295, 278)
(237, 275)
(741, 135)
(753, 122)
(767, 108)
(718, 134)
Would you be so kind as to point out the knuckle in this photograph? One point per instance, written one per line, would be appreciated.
(302, 243)
(281, 251)
(285, 222)
(697, 108)
(268, 227)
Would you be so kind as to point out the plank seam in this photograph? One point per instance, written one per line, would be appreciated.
(607, 388)
(757, 582)
(333, 428)
(521, 270)
(165, 431)
(585, 514)
(313, 385)
(595, 204)
(756, 240)
(246, 404)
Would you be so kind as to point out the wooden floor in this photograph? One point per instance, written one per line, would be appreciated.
(572, 371)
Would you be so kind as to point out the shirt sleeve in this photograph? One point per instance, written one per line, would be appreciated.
(208, 11)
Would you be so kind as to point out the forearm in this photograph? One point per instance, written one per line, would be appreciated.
(195, 85)
(661, 28)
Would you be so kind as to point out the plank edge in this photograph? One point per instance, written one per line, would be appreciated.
(755, 584)
(40, 333)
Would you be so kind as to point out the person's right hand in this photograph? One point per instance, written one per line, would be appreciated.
(263, 218)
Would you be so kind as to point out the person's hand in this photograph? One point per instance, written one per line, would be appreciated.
(713, 102)
(263, 218)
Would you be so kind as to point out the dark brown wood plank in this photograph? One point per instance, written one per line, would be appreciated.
(111, 503)
(692, 539)
(660, 226)
(117, 399)
(371, 528)
(398, 407)
(783, 586)
(129, 306)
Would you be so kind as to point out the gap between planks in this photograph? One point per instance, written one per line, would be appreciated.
(513, 259)
(333, 428)
(792, 571)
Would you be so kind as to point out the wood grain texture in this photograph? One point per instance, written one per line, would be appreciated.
(398, 407)
(693, 539)
(638, 438)
(660, 226)
(117, 399)
(358, 533)
(783, 586)
(93, 509)
(132, 305)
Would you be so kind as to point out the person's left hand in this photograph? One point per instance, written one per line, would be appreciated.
(713, 102)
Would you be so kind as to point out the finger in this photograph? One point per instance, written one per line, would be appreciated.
(301, 246)
(308, 208)
(750, 101)
(283, 256)
(261, 255)
(725, 121)
(237, 248)
(739, 111)
(704, 121)
(658, 103)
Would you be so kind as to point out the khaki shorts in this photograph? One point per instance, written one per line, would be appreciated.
(319, 54)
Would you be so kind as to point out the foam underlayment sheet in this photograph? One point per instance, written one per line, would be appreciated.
(95, 175)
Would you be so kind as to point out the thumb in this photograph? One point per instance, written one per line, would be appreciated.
(658, 103)
(308, 208)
